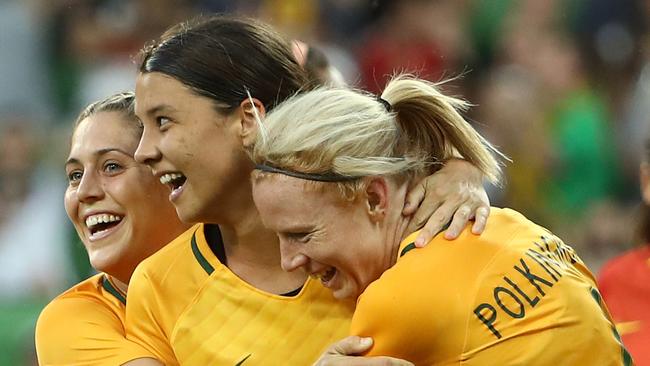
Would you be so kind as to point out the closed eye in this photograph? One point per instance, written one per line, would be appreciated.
(298, 237)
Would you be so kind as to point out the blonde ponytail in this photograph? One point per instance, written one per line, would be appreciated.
(338, 134)
(432, 122)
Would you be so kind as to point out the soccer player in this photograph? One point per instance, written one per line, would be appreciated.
(625, 281)
(122, 215)
(217, 295)
(333, 168)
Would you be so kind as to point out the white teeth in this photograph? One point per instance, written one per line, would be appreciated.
(101, 218)
(166, 178)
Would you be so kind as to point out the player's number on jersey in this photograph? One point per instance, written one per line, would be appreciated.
(627, 359)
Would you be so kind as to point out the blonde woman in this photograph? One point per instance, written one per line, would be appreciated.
(333, 168)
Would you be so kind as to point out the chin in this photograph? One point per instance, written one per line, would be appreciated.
(345, 294)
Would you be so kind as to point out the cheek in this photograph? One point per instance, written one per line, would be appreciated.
(71, 204)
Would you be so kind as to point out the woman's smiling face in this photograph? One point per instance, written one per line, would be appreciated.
(191, 147)
(328, 237)
(118, 208)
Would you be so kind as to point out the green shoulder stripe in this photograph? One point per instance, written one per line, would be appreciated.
(199, 256)
(407, 249)
(108, 286)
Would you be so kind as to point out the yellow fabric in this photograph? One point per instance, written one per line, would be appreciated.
(185, 316)
(84, 326)
(516, 295)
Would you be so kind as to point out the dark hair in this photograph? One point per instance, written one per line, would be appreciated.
(120, 102)
(223, 57)
(316, 64)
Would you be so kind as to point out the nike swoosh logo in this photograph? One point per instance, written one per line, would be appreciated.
(244, 359)
(628, 327)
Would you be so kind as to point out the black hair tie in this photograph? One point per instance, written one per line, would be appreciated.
(386, 104)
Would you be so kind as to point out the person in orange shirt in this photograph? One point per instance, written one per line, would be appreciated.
(625, 280)
(332, 170)
(122, 215)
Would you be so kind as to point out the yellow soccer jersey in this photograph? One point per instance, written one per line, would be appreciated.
(515, 295)
(85, 326)
(187, 308)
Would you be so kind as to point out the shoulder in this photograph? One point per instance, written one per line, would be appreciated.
(174, 258)
(422, 278)
(80, 306)
(76, 319)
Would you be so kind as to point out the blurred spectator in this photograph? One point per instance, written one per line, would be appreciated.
(34, 262)
(93, 43)
(22, 66)
(625, 281)
(33, 233)
(513, 120)
(423, 37)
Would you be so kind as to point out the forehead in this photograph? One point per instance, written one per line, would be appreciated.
(285, 201)
(104, 130)
(156, 89)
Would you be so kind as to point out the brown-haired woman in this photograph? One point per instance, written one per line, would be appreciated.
(122, 216)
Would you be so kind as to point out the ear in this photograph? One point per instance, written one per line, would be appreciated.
(377, 198)
(251, 112)
(644, 174)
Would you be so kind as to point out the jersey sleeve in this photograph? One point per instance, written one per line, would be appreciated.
(399, 323)
(145, 323)
(80, 331)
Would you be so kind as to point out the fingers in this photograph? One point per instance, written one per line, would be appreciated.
(414, 197)
(435, 224)
(458, 222)
(351, 345)
(480, 219)
(361, 361)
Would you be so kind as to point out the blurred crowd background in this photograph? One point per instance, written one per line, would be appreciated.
(561, 86)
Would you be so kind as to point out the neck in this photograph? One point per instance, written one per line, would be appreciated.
(253, 252)
(397, 231)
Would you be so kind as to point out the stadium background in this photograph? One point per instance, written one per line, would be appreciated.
(562, 87)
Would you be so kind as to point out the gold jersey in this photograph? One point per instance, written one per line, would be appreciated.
(515, 295)
(85, 326)
(187, 308)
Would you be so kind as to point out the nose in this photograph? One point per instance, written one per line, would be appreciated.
(147, 151)
(291, 259)
(90, 188)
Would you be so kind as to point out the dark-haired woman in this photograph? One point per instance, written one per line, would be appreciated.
(217, 295)
(122, 215)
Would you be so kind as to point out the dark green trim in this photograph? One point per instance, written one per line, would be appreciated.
(108, 286)
(244, 359)
(199, 257)
(407, 249)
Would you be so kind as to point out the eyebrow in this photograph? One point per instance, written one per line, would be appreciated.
(99, 152)
(160, 108)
